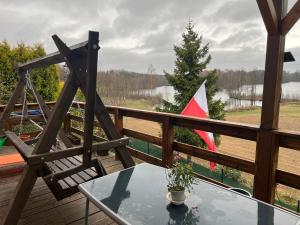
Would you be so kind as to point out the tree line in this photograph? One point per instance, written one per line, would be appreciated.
(233, 79)
(115, 86)
(138, 82)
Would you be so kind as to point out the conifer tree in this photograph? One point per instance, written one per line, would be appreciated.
(192, 58)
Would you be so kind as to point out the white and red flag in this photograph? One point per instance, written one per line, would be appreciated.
(198, 107)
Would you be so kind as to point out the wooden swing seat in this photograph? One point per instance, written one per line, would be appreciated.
(67, 186)
(63, 170)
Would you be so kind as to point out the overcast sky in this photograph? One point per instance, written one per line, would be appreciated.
(137, 33)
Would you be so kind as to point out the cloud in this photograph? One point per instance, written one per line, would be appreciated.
(135, 61)
(247, 58)
(238, 11)
(135, 34)
(243, 38)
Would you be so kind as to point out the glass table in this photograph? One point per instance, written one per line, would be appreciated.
(137, 196)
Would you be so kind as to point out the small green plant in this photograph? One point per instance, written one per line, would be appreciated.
(26, 128)
(180, 177)
(230, 173)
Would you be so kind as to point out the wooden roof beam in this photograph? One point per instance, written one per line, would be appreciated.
(269, 15)
(50, 59)
(291, 18)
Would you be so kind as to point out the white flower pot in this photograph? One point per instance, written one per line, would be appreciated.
(178, 196)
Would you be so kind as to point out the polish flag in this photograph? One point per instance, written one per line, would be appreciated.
(198, 107)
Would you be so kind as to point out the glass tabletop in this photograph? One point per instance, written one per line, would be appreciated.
(137, 196)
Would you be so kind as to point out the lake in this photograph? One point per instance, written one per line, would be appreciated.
(290, 90)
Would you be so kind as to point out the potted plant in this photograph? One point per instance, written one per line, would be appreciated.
(24, 137)
(180, 180)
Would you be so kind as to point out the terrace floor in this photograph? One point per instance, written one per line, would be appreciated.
(43, 209)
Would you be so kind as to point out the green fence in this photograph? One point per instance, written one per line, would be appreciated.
(145, 147)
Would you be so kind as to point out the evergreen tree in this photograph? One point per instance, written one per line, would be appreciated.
(45, 79)
(192, 58)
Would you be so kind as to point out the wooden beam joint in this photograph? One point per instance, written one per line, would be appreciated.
(291, 18)
(269, 15)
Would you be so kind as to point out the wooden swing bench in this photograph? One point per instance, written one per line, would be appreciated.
(63, 168)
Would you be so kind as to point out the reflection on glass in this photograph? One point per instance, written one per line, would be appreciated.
(119, 191)
(265, 215)
(181, 214)
(138, 195)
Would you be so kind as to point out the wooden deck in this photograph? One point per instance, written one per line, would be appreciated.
(43, 209)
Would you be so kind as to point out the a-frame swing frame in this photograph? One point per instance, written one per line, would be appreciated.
(43, 106)
(82, 61)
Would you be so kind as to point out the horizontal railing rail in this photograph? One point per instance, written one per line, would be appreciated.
(248, 132)
(287, 139)
(18, 107)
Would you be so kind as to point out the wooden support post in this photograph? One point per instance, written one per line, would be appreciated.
(21, 196)
(167, 142)
(47, 112)
(119, 125)
(64, 101)
(41, 102)
(76, 66)
(111, 132)
(267, 145)
(55, 120)
(92, 60)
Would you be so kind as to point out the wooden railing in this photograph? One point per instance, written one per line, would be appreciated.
(285, 139)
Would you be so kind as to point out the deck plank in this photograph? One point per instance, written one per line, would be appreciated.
(43, 209)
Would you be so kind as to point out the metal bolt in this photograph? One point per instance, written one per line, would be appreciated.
(95, 46)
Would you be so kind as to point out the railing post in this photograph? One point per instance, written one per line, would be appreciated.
(167, 142)
(67, 124)
(118, 118)
(8, 125)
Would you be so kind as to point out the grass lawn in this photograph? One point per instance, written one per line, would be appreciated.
(288, 117)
